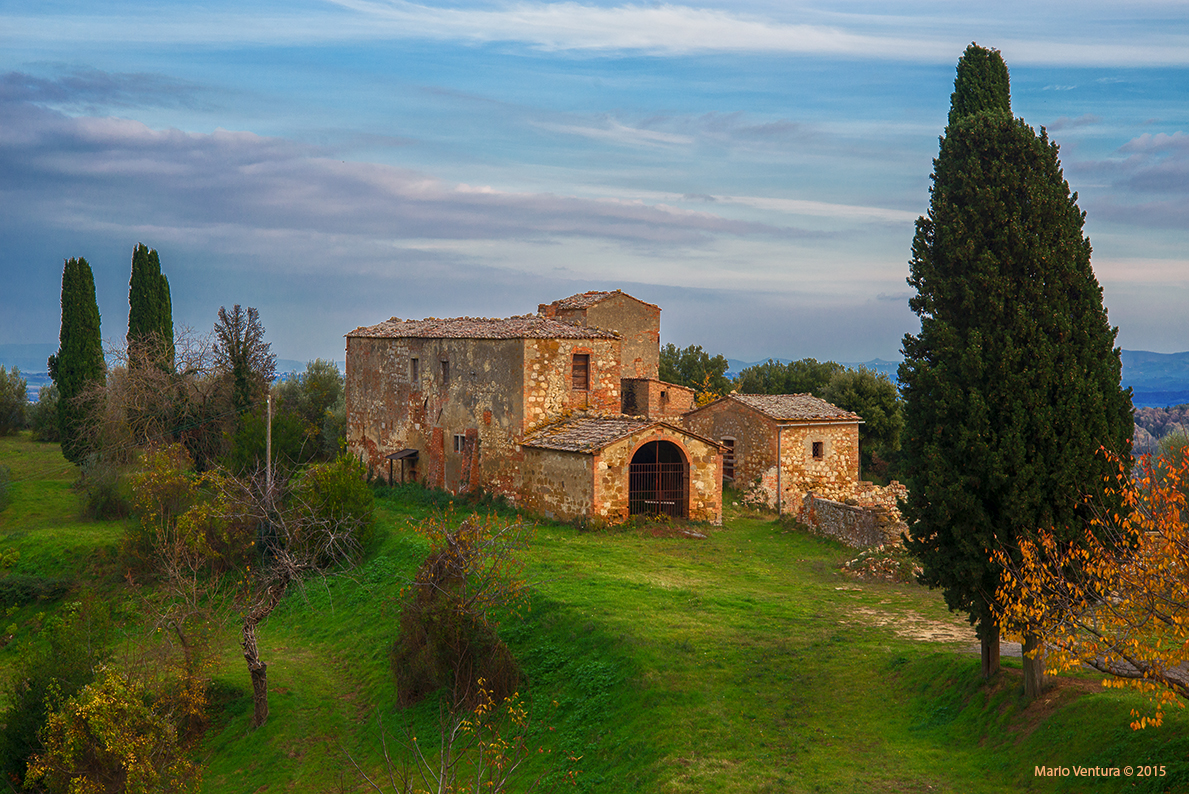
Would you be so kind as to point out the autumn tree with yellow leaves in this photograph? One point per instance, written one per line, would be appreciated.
(1117, 600)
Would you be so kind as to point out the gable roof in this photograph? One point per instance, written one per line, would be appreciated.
(527, 326)
(794, 407)
(592, 433)
(584, 300)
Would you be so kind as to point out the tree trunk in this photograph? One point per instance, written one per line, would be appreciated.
(257, 669)
(1034, 667)
(990, 648)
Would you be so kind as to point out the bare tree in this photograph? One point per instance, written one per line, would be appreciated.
(242, 355)
(295, 542)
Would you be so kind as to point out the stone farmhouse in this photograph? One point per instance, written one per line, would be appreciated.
(783, 446)
(561, 412)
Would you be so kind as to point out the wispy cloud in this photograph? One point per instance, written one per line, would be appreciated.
(903, 33)
(122, 171)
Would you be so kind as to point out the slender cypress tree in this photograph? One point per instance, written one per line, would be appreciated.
(150, 311)
(78, 365)
(1012, 384)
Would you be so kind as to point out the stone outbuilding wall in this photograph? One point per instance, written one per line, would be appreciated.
(654, 399)
(783, 446)
(581, 466)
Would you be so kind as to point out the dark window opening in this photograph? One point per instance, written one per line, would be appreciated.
(819, 450)
(658, 481)
(728, 459)
(414, 371)
(445, 372)
(460, 442)
(581, 372)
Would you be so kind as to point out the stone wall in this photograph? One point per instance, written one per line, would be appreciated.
(833, 475)
(870, 518)
(548, 383)
(655, 399)
(559, 485)
(754, 436)
(638, 324)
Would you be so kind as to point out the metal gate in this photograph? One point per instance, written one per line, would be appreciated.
(657, 484)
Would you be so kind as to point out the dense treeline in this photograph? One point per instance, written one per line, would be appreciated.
(870, 394)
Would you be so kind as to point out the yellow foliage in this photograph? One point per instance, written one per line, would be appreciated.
(1118, 600)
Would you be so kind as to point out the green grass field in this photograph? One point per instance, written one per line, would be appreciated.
(743, 662)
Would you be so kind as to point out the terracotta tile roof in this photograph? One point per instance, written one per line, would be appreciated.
(585, 433)
(804, 407)
(584, 300)
(528, 326)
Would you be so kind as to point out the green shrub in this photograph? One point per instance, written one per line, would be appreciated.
(337, 495)
(291, 445)
(18, 590)
(43, 416)
(103, 490)
(13, 401)
(449, 618)
(5, 486)
(56, 663)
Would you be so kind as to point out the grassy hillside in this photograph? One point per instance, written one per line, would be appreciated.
(743, 662)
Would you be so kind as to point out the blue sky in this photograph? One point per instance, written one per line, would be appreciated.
(753, 167)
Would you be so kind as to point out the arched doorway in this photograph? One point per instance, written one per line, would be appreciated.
(658, 481)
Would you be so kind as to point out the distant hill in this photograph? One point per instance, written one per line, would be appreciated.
(1156, 379)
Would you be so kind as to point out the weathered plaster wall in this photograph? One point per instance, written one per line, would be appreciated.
(480, 399)
(547, 379)
(557, 484)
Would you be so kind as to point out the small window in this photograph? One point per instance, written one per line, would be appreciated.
(445, 372)
(728, 459)
(414, 371)
(581, 372)
(460, 442)
(819, 450)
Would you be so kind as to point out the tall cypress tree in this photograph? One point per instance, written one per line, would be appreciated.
(150, 311)
(1012, 384)
(78, 365)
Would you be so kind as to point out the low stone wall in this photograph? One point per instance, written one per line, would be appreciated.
(870, 518)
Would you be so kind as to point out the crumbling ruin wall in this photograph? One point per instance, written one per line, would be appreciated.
(869, 518)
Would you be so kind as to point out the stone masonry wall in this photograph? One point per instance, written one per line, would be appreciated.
(547, 379)
(869, 518)
(834, 475)
(754, 436)
(655, 399)
(611, 476)
(557, 484)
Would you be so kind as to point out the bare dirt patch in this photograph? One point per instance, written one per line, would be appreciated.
(914, 626)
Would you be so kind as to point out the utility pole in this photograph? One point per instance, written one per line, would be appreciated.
(268, 453)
